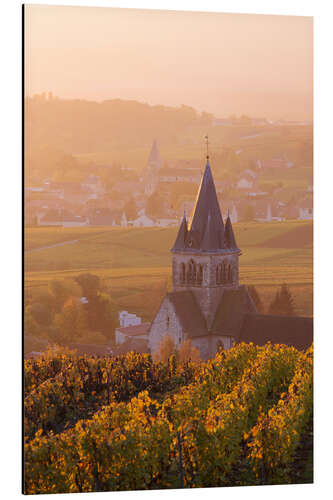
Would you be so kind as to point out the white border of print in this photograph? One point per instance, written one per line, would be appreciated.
(10, 199)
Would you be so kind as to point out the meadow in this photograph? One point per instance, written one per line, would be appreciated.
(134, 264)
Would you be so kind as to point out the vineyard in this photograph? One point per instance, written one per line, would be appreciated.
(129, 423)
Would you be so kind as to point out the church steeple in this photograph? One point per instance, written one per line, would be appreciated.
(205, 254)
(207, 204)
(154, 156)
(206, 207)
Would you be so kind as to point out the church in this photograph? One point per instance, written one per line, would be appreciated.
(207, 304)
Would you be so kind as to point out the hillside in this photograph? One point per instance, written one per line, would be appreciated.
(135, 263)
(65, 136)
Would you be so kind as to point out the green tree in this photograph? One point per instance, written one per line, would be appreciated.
(31, 326)
(283, 302)
(60, 293)
(89, 283)
(100, 314)
(41, 313)
(72, 323)
(155, 204)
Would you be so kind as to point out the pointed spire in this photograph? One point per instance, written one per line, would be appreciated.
(230, 242)
(210, 240)
(154, 156)
(207, 203)
(181, 236)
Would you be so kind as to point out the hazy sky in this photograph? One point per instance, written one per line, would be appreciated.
(222, 63)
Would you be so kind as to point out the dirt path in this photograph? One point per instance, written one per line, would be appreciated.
(71, 242)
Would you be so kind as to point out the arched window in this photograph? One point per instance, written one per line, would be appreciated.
(194, 272)
(224, 273)
(189, 272)
(182, 273)
(200, 274)
(229, 273)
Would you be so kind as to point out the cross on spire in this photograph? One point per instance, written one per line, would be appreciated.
(207, 143)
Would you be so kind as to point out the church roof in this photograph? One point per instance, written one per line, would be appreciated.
(188, 313)
(155, 156)
(207, 203)
(211, 239)
(181, 236)
(206, 232)
(234, 304)
(229, 236)
(290, 330)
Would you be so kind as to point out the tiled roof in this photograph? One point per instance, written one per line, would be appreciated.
(188, 313)
(134, 330)
(290, 330)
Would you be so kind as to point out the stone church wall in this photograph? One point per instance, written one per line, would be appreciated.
(165, 323)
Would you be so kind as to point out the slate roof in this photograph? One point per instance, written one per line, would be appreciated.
(229, 237)
(206, 233)
(135, 330)
(181, 236)
(188, 313)
(290, 330)
(234, 304)
(207, 204)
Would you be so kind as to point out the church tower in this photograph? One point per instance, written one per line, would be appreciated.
(152, 171)
(205, 253)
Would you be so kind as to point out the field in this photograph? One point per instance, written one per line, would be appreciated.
(131, 423)
(135, 263)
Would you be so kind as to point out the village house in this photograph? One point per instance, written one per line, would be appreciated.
(132, 334)
(143, 221)
(104, 217)
(306, 210)
(62, 218)
(207, 303)
(93, 184)
(247, 181)
(137, 332)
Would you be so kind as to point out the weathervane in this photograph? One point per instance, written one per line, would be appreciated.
(207, 143)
